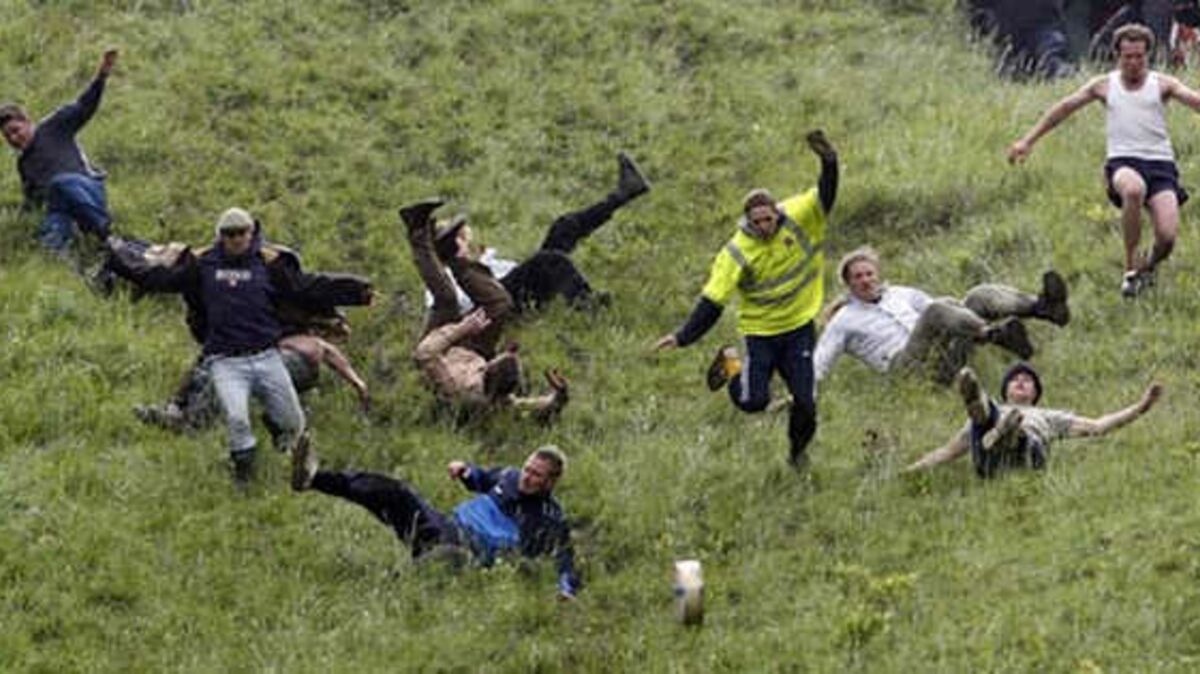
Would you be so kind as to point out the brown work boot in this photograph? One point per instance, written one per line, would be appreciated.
(1052, 303)
(1004, 434)
(1011, 335)
(973, 397)
(631, 182)
(725, 364)
(304, 462)
(416, 215)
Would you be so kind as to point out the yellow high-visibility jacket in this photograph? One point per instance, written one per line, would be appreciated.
(780, 280)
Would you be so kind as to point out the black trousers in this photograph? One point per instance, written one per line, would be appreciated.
(550, 272)
(790, 354)
(395, 503)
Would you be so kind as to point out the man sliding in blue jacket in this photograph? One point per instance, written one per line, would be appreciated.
(515, 509)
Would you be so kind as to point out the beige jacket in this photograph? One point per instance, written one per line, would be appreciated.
(454, 372)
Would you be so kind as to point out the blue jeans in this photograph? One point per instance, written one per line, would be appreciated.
(264, 376)
(790, 354)
(73, 198)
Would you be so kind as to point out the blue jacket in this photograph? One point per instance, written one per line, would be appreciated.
(504, 519)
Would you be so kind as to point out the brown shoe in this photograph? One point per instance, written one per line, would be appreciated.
(416, 215)
(1010, 334)
(1052, 303)
(1004, 433)
(304, 462)
(631, 182)
(973, 397)
(718, 370)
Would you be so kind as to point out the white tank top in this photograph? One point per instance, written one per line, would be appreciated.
(1136, 123)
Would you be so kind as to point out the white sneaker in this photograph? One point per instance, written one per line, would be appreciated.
(1130, 285)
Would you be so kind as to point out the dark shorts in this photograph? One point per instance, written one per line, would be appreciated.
(1158, 175)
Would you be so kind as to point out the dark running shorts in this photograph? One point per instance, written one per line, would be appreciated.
(1159, 176)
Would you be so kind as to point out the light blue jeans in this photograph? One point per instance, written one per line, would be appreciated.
(264, 376)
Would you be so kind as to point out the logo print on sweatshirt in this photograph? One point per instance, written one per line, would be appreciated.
(232, 277)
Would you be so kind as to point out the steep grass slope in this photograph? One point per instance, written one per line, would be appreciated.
(125, 549)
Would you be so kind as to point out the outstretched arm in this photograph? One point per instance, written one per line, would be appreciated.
(703, 317)
(1173, 88)
(950, 451)
(1084, 427)
(161, 269)
(1092, 91)
(334, 358)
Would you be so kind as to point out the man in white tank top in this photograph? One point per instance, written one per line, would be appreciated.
(1139, 166)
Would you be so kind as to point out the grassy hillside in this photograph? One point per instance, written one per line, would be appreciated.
(126, 549)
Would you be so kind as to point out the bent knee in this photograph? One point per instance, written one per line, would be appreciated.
(752, 405)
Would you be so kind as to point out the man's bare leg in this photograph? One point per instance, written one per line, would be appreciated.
(1164, 215)
(1129, 185)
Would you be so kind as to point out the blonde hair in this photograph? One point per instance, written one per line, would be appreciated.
(554, 456)
(859, 254)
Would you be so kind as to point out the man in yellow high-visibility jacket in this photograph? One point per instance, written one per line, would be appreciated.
(775, 262)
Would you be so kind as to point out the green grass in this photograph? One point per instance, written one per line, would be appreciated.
(125, 549)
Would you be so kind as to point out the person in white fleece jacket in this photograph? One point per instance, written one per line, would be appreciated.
(891, 327)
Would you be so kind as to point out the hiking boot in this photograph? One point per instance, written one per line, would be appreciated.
(1052, 303)
(1010, 334)
(416, 215)
(724, 366)
(631, 182)
(243, 467)
(167, 416)
(818, 143)
(101, 280)
(304, 462)
(1003, 435)
(973, 397)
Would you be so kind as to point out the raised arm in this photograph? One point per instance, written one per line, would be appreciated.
(1085, 427)
(956, 447)
(1094, 90)
(827, 183)
(74, 115)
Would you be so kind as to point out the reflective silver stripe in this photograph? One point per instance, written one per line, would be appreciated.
(747, 272)
(776, 282)
(791, 225)
(786, 297)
